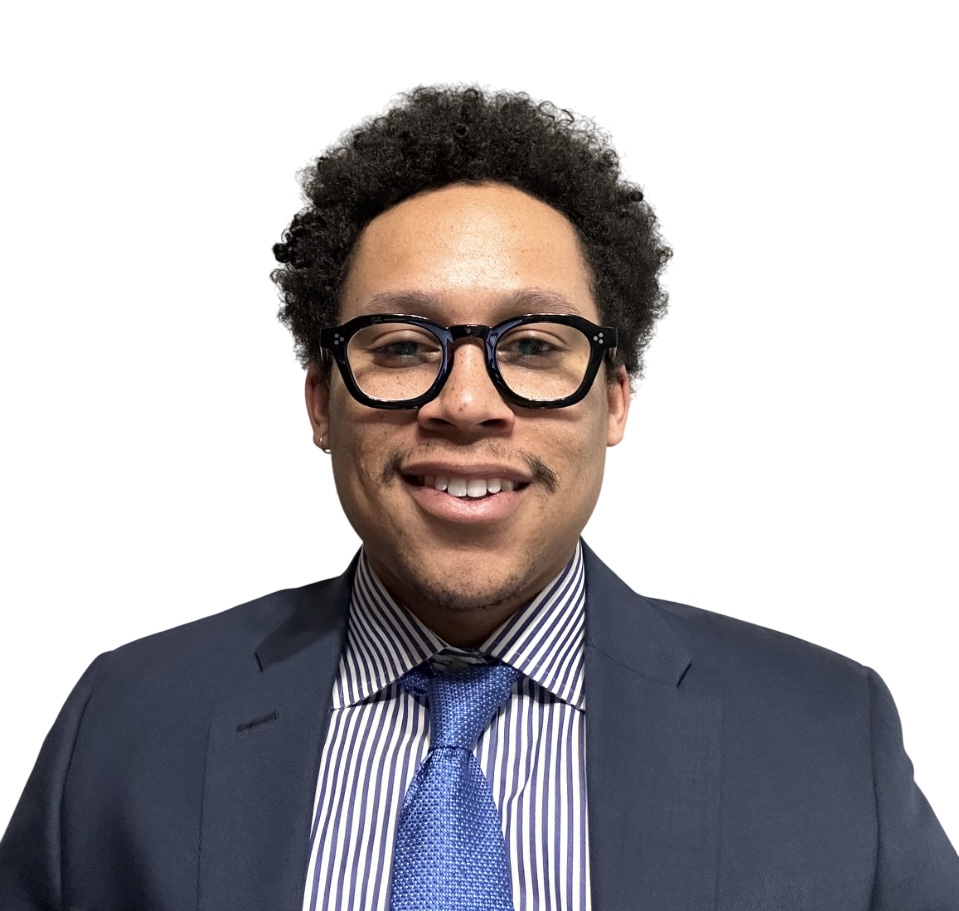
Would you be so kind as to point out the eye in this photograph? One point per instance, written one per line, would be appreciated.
(393, 345)
(407, 348)
(405, 352)
(528, 347)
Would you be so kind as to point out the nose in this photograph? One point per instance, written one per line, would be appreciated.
(468, 402)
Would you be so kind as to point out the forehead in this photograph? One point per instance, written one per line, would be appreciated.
(469, 253)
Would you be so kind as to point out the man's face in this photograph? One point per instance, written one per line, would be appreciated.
(468, 254)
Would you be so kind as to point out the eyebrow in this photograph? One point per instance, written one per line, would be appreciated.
(425, 303)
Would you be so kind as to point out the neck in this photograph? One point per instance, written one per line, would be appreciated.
(464, 608)
(463, 628)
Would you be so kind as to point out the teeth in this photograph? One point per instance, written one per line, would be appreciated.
(474, 488)
(457, 487)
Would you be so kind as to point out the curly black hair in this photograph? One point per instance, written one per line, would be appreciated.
(443, 135)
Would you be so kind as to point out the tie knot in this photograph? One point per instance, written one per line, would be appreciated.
(462, 701)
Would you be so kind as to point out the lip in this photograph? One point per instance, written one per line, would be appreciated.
(465, 510)
(483, 470)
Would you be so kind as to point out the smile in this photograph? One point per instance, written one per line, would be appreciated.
(466, 488)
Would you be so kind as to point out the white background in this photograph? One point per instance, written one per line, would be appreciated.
(791, 457)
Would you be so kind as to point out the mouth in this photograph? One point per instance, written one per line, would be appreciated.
(465, 488)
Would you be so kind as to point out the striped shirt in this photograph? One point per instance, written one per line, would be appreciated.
(532, 753)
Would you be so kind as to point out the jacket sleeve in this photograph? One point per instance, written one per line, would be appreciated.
(30, 850)
(916, 867)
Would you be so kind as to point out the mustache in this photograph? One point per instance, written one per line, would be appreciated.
(540, 471)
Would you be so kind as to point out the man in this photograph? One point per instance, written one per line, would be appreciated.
(477, 714)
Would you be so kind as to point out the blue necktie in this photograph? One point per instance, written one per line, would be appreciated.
(450, 852)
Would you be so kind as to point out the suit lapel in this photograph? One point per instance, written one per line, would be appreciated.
(652, 758)
(263, 754)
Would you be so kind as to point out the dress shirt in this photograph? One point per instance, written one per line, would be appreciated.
(532, 753)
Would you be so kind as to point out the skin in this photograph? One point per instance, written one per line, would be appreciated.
(468, 254)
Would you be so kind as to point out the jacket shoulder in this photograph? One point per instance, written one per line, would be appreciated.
(195, 659)
(238, 629)
(719, 639)
(766, 671)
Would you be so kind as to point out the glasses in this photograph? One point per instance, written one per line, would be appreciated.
(541, 360)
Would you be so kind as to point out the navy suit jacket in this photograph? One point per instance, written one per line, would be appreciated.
(729, 768)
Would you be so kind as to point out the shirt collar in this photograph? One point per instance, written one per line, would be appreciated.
(545, 640)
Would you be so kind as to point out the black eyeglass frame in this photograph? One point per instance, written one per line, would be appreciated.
(602, 342)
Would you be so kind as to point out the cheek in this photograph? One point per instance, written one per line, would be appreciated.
(593, 429)
(576, 452)
(363, 442)
(350, 444)
(587, 461)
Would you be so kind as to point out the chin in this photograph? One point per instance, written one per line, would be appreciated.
(456, 591)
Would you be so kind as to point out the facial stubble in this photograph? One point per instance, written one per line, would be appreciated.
(451, 591)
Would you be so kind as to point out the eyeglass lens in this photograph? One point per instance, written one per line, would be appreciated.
(538, 361)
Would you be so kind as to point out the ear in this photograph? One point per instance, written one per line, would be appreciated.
(617, 403)
(318, 404)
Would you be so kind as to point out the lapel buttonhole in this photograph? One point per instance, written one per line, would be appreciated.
(255, 723)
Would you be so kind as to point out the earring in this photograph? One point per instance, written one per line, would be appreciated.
(323, 444)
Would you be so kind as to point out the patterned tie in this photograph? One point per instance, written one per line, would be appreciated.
(450, 852)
